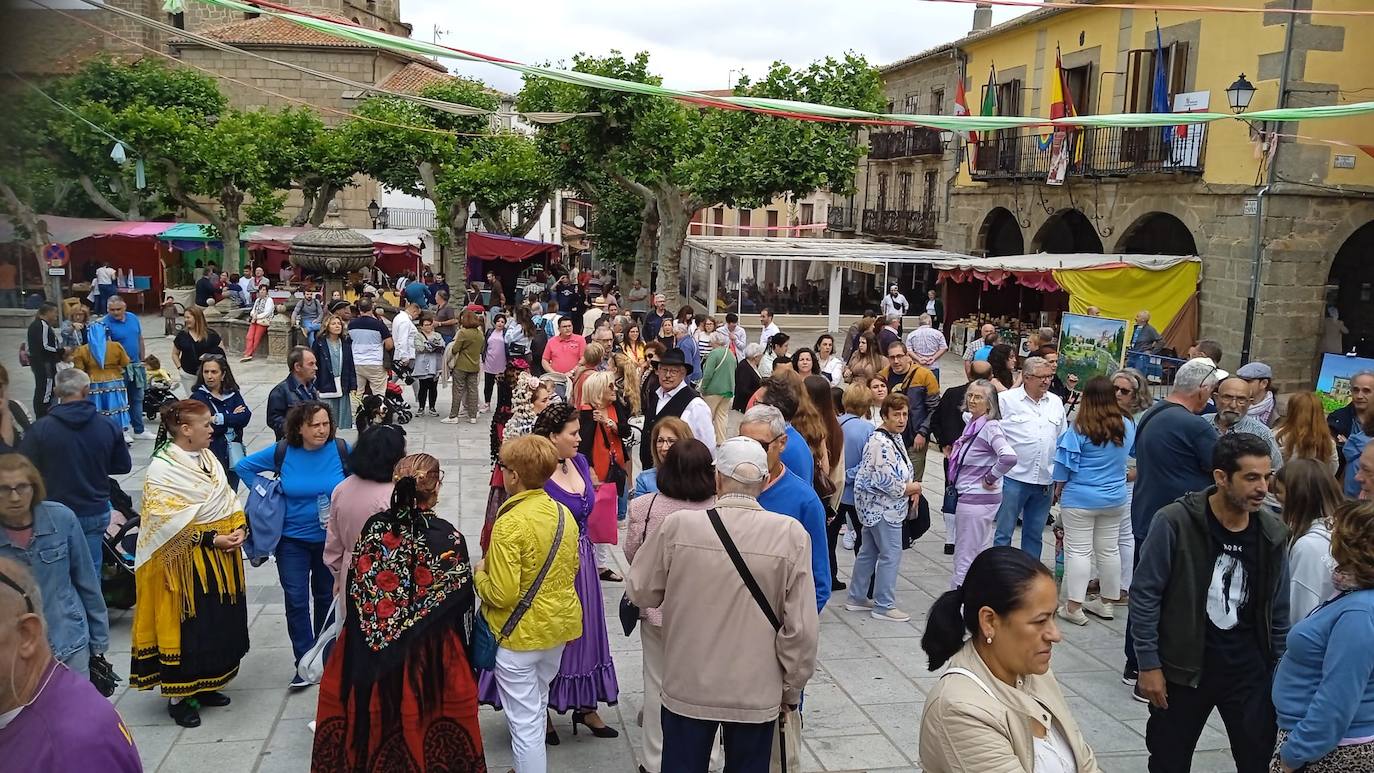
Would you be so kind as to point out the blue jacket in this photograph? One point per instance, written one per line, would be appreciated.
(227, 419)
(794, 497)
(692, 356)
(1324, 686)
(330, 370)
(282, 397)
(796, 456)
(306, 476)
(77, 450)
(61, 564)
(646, 482)
(856, 430)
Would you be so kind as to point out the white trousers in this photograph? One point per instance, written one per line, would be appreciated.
(1091, 534)
(523, 679)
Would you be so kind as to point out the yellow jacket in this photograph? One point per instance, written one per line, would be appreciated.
(520, 542)
(112, 369)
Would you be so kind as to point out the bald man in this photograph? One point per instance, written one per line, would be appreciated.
(50, 717)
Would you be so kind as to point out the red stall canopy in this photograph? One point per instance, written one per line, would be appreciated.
(506, 256)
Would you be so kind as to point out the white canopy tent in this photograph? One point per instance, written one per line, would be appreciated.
(710, 258)
(1045, 261)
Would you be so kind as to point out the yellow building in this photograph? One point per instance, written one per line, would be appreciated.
(1194, 190)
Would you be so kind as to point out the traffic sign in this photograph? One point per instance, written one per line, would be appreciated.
(55, 254)
(56, 271)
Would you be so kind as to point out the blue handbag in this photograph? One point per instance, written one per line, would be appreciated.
(482, 651)
(265, 511)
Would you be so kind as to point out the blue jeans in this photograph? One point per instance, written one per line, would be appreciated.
(135, 405)
(687, 744)
(304, 578)
(93, 526)
(1030, 501)
(311, 327)
(102, 298)
(880, 556)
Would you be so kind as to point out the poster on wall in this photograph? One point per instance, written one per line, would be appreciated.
(1333, 382)
(1090, 346)
(1059, 159)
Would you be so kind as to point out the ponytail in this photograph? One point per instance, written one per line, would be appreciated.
(998, 579)
(405, 494)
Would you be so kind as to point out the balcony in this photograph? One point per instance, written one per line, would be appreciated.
(1101, 152)
(840, 218)
(904, 143)
(903, 223)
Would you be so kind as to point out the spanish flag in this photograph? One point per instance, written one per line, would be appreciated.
(1061, 106)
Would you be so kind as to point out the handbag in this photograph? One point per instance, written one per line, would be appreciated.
(616, 474)
(951, 499)
(825, 487)
(603, 527)
(917, 522)
(311, 667)
(629, 611)
(743, 569)
(484, 643)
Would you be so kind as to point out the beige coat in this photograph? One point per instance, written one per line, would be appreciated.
(964, 730)
(722, 659)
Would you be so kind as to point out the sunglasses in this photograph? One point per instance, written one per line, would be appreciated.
(768, 444)
(1125, 391)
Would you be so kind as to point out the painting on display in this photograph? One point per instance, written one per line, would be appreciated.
(1333, 383)
(1090, 346)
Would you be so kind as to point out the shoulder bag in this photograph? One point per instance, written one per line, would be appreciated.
(951, 500)
(629, 611)
(484, 644)
(743, 569)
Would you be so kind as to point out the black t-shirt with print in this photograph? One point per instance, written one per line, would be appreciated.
(1231, 643)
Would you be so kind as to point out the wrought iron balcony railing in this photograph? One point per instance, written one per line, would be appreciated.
(907, 224)
(1108, 151)
(903, 143)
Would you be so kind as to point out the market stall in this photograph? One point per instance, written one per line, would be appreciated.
(397, 249)
(131, 247)
(505, 256)
(1035, 290)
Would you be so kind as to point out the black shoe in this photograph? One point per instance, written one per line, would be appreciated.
(605, 731)
(1138, 695)
(184, 713)
(610, 576)
(551, 737)
(949, 548)
(1129, 676)
(298, 682)
(838, 585)
(213, 698)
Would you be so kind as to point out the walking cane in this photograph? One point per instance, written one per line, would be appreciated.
(782, 741)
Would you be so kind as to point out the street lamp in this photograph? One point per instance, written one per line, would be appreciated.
(1239, 94)
(946, 136)
(384, 217)
(373, 210)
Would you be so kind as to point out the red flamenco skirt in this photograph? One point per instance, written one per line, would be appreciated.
(411, 736)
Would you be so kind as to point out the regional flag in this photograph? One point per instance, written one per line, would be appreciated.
(961, 108)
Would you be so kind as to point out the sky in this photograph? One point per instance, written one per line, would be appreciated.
(693, 45)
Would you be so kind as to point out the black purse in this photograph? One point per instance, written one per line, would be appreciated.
(629, 611)
(951, 499)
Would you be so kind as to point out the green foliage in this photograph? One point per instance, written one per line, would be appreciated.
(616, 220)
(497, 173)
(265, 210)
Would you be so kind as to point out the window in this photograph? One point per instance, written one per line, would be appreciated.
(932, 184)
(746, 218)
(251, 14)
(904, 191)
(1078, 80)
(910, 106)
(177, 20)
(1140, 75)
(937, 101)
(718, 215)
(772, 223)
(882, 191)
(808, 214)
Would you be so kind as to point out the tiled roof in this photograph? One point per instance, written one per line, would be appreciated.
(270, 30)
(413, 78)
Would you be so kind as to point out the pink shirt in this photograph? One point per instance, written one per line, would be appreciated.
(646, 514)
(564, 355)
(353, 502)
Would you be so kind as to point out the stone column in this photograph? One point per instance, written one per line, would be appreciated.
(279, 335)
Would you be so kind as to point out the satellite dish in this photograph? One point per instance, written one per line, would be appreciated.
(579, 221)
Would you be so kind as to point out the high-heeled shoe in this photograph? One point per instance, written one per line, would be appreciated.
(605, 731)
(551, 736)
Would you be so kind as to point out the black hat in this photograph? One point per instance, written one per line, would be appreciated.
(336, 305)
(674, 357)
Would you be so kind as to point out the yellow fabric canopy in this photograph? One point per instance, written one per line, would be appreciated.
(1121, 292)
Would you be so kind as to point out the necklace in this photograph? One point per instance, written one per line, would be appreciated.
(563, 465)
(22, 526)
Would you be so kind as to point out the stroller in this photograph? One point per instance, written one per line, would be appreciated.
(117, 553)
(395, 399)
(155, 396)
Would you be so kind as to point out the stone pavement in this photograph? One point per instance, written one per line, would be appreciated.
(863, 707)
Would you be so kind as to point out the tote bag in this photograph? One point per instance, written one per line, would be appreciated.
(602, 527)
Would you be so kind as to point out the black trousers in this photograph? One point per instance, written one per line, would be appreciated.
(426, 391)
(42, 392)
(488, 387)
(833, 522)
(687, 744)
(1242, 697)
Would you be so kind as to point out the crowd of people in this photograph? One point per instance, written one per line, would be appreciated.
(1238, 531)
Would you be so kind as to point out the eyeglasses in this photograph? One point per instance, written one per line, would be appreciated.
(768, 443)
(1045, 377)
(1125, 391)
(28, 602)
(21, 490)
(212, 358)
(665, 442)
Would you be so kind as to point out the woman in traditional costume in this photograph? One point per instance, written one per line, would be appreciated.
(191, 620)
(103, 360)
(398, 693)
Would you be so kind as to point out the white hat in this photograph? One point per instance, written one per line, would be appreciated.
(742, 459)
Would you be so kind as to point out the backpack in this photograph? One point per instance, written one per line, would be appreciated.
(266, 506)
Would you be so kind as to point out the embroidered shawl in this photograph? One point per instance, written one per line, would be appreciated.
(184, 495)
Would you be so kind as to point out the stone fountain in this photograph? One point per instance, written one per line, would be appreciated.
(332, 251)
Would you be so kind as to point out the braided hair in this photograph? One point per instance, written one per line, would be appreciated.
(174, 415)
(415, 479)
(553, 419)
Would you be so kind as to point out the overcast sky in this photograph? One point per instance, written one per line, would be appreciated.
(693, 45)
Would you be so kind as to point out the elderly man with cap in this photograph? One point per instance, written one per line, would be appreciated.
(1258, 376)
(52, 718)
(733, 579)
(674, 397)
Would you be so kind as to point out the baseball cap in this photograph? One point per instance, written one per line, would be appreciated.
(1251, 371)
(742, 459)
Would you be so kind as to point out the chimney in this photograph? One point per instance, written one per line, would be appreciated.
(982, 17)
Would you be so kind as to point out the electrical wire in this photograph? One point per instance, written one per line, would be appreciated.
(1064, 4)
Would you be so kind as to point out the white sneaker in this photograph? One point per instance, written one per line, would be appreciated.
(1077, 618)
(848, 538)
(449, 420)
(473, 420)
(128, 438)
(863, 606)
(893, 615)
(1099, 608)
(146, 435)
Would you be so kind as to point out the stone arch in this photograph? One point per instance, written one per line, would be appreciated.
(1067, 231)
(1157, 233)
(1000, 234)
(1350, 288)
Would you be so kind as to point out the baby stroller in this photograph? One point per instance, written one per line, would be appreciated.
(395, 399)
(117, 552)
(155, 397)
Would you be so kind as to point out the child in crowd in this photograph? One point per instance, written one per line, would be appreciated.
(170, 316)
(157, 376)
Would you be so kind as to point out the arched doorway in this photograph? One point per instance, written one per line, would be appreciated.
(1001, 234)
(1157, 233)
(1350, 289)
(1067, 231)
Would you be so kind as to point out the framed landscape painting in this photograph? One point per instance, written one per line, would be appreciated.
(1333, 383)
(1090, 346)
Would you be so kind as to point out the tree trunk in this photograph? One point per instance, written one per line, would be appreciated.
(308, 197)
(26, 217)
(103, 202)
(675, 218)
(646, 248)
(322, 202)
(231, 204)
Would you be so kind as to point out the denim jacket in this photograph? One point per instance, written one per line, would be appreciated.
(59, 559)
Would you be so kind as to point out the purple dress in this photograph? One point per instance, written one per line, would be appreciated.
(586, 676)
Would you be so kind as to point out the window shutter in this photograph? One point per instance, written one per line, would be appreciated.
(1178, 67)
